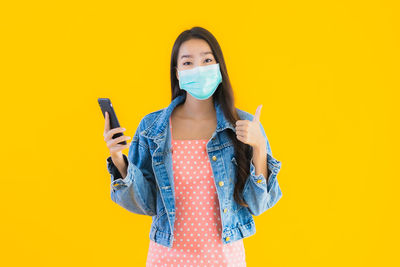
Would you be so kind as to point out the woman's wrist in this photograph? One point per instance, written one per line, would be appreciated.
(260, 159)
(260, 147)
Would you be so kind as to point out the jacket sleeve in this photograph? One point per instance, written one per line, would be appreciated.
(137, 191)
(258, 194)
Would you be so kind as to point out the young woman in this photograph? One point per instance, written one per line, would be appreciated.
(201, 167)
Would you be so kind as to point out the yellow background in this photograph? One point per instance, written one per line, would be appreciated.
(326, 73)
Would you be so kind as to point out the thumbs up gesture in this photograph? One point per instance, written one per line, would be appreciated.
(249, 132)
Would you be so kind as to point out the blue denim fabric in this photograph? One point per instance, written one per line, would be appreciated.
(148, 188)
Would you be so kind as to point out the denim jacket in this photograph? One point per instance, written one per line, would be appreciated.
(148, 187)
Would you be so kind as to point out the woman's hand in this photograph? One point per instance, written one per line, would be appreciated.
(249, 132)
(112, 144)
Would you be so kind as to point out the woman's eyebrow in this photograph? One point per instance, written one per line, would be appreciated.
(202, 53)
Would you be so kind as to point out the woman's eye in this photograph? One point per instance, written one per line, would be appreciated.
(186, 62)
(208, 59)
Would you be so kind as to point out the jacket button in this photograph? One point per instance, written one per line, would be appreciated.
(225, 210)
(214, 158)
(221, 183)
(259, 181)
(227, 238)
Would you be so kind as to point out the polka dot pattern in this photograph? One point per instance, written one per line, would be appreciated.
(197, 228)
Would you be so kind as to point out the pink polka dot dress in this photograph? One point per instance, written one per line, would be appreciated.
(197, 228)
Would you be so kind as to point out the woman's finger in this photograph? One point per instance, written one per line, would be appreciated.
(107, 123)
(115, 141)
(111, 132)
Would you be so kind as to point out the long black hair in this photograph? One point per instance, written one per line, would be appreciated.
(224, 96)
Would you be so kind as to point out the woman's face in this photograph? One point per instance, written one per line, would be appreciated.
(194, 53)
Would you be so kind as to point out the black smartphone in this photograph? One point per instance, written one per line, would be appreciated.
(105, 105)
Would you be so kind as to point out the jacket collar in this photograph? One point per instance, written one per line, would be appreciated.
(158, 127)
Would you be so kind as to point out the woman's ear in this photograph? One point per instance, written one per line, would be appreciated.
(177, 74)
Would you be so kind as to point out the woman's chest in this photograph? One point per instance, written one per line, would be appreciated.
(185, 129)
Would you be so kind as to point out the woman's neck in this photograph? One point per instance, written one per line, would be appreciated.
(196, 109)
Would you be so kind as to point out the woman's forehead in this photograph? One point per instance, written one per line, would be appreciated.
(194, 47)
